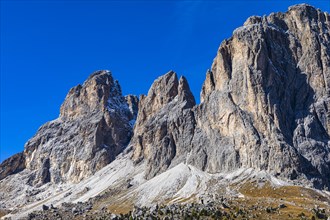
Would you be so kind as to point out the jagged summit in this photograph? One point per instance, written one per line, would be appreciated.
(265, 89)
(94, 126)
(272, 80)
(185, 93)
(302, 7)
(263, 120)
(162, 113)
(164, 89)
(12, 165)
(92, 97)
(99, 73)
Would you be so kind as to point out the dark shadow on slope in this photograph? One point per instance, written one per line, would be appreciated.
(12, 165)
(291, 98)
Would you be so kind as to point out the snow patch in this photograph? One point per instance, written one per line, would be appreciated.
(245, 28)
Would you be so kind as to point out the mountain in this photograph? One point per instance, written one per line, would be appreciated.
(93, 127)
(268, 92)
(264, 104)
(165, 125)
(262, 129)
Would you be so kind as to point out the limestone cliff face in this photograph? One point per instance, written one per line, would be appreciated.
(164, 125)
(94, 126)
(133, 105)
(264, 104)
(265, 101)
(12, 165)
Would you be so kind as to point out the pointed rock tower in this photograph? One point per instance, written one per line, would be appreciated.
(165, 124)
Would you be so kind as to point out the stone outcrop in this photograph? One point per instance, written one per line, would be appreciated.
(264, 104)
(265, 101)
(164, 125)
(12, 165)
(94, 126)
(133, 105)
(264, 117)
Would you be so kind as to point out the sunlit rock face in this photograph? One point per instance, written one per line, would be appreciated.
(265, 101)
(12, 165)
(94, 126)
(165, 124)
(264, 104)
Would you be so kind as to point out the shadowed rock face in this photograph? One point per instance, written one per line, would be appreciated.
(265, 101)
(12, 165)
(133, 105)
(93, 127)
(264, 104)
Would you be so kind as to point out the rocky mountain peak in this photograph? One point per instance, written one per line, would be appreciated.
(12, 165)
(264, 118)
(208, 85)
(94, 126)
(185, 93)
(304, 9)
(164, 89)
(165, 109)
(91, 97)
(272, 80)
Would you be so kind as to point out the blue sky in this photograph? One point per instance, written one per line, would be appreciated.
(47, 47)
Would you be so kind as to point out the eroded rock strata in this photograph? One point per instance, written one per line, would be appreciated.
(264, 104)
(94, 126)
(264, 112)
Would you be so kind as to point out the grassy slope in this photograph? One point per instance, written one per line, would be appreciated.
(261, 201)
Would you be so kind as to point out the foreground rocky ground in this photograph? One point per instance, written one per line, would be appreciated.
(222, 209)
(255, 202)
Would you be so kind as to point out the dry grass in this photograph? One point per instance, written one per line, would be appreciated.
(252, 190)
(122, 208)
(116, 202)
(257, 199)
(297, 199)
(3, 213)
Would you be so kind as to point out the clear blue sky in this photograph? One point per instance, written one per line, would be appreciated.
(47, 47)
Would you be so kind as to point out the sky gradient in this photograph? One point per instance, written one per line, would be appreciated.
(47, 47)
